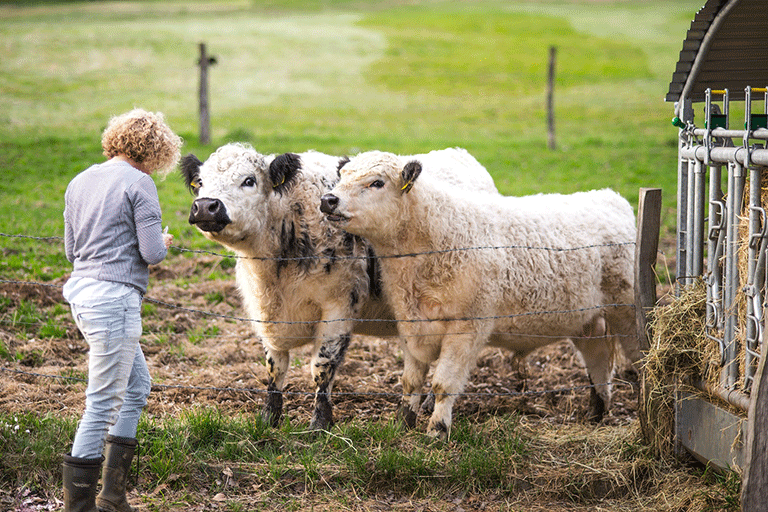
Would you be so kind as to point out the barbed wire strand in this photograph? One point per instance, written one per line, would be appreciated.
(363, 257)
(381, 394)
(337, 320)
(200, 335)
(337, 394)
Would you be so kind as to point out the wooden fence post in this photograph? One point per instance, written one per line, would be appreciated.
(550, 99)
(754, 483)
(205, 118)
(646, 248)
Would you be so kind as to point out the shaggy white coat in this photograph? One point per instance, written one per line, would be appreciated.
(548, 267)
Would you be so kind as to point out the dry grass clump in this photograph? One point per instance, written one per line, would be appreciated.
(607, 468)
(679, 352)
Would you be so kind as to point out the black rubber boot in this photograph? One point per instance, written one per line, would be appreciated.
(80, 476)
(118, 455)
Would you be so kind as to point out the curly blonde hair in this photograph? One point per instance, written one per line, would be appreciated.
(144, 138)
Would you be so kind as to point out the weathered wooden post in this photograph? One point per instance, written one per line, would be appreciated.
(205, 118)
(646, 248)
(754, 483)
(550, 99)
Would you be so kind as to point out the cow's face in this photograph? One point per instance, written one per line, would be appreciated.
(233, 188)
(369, 198)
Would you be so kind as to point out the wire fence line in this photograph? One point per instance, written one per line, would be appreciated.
(391, 256)
(337, 320)
(202, 335)
(356, 320)
(165, 387)
(379, 394)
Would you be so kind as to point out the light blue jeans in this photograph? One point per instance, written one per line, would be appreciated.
(118, 377)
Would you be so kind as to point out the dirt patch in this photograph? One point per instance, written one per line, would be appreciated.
(214, 359)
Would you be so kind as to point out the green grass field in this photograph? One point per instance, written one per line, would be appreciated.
(341, 77)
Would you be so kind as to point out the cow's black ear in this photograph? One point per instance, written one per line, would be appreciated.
(342, 162)
(190, 170)
(410, 172)
(283, 171)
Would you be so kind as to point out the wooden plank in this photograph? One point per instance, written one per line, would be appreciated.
(754, 483)
(646, 248)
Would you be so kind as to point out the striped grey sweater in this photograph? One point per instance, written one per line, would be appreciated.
(113, 225)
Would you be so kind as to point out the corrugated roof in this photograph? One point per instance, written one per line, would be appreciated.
(725, 48)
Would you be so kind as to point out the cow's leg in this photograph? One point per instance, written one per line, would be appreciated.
(457, 358)
(414, 374)
(597, 350)
(327, 358)
(622, 324)
(277, 368)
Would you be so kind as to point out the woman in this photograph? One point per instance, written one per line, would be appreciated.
(113, 232)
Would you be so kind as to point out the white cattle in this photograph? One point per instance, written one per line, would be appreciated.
(517, 273)
(303, 280)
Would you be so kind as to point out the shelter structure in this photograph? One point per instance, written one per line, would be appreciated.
(722, 226)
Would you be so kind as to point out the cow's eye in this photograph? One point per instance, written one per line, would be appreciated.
(376, 184)
(249, 182)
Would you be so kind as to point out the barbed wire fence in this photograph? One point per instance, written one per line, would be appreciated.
(234, 318)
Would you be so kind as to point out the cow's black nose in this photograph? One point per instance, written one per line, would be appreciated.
(328, 203)
(206, 207)
(209, 214)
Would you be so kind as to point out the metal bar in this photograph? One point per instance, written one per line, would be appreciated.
(736, 178)
(699, 189)
(760, 133)
(723, 155)
(714, 253)
(690, 236)
(730, 396)
(755, 231)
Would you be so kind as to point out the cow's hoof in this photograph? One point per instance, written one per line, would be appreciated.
(271, 418)
(322, 418)
(272, 413)
(438, 430)
(596, 407)
(407, 416)
(428, 406)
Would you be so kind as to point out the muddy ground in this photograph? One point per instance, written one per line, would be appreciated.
(220, 365)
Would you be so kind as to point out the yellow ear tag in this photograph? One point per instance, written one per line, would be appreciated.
(407, 186)
(275, 186)
(194, 185)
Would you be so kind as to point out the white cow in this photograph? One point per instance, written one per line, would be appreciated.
(517, 273)
(302, 279)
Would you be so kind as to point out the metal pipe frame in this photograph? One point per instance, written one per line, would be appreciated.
(706, 151)
(714, 280)
(699, 189)
(736, 183)
(752, 291)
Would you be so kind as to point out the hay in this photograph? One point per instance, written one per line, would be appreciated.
(679, 352)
